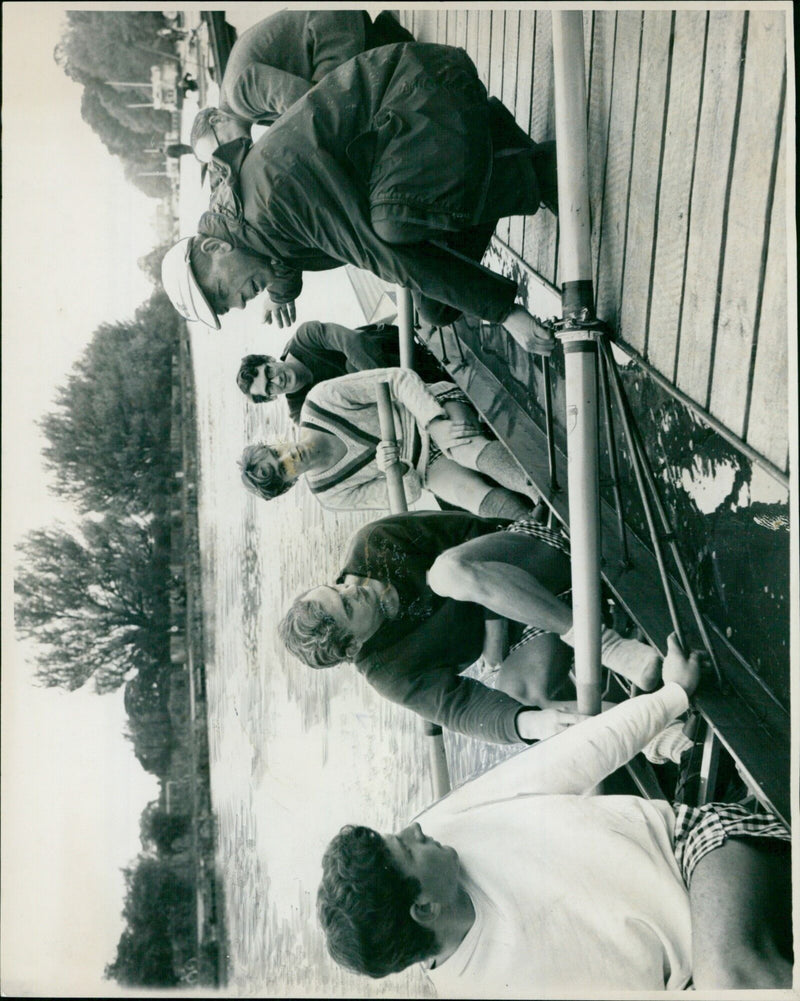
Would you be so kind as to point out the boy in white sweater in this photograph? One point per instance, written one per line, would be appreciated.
(538, 888)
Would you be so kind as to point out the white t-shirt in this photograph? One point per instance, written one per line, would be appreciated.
(572, 893)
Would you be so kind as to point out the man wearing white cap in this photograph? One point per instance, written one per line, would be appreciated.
(396, 162)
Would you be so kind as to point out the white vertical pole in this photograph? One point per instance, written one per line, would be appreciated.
(580, 351)
(405, 323)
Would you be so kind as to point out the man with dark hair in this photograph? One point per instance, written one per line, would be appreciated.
(409, 606)
(396, 162)
(318, 352)
(539, 889)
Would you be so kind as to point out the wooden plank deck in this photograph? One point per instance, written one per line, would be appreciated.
(686, 117)
(748, 719)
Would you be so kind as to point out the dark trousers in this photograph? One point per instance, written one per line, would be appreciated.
(523, 178)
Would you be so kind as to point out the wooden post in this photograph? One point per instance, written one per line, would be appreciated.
(397, 504)
(580, 351)
(394, 476)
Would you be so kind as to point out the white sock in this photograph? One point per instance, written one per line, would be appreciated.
(636, 661)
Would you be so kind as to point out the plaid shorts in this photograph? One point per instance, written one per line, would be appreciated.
(554, 538)
(701, 829)
(455, 395)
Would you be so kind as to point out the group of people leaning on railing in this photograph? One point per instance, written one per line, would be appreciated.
(387, 154)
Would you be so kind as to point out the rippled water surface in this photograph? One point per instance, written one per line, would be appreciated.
(294, 753)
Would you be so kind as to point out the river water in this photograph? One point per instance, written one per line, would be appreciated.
(295, 753)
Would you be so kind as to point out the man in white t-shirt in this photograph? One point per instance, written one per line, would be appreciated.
(538, 888)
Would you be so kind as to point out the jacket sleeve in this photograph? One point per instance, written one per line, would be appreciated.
(323, 208)
(285, 284)
(377, 349)
(441, 696)
(262, 93)
(368, 495)
(577, 759)
(335, 36)
(357, 390)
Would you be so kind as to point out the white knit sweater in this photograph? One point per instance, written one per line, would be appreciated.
(347, 408)
(572, 893)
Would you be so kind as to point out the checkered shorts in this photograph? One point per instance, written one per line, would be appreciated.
(456, 395)
(701, 829)
(554, 538)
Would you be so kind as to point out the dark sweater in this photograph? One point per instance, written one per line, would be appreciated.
(329, 351)
(417, 658)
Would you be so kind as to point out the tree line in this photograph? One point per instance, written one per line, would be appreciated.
(100, 48)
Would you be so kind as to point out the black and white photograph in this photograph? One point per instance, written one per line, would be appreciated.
(399, 525)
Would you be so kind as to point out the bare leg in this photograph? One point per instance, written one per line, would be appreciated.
(740, 901)
(497, 571)
(467, 489)
(518, 577)
(494, 460)
(534, 673)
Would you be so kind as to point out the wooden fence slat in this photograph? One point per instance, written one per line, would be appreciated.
(461, 29)
(426, 25)
(497, 69)
(473, 34)
(507, 75)
(648, 137)
(768, 428)
(539, 243)
(441, 26)
(618, 164)
(747, 216)
(720, 86)
(522, 111)
(484, 53)
(599, 98)
(676, 182)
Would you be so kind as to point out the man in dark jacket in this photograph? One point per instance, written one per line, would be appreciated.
(278, 60)
(321, 351)
(408, 610)
(395, 162)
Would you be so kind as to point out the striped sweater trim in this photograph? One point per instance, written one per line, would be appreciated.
(337, 421)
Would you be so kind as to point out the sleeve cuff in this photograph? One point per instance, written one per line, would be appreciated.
(524, 740)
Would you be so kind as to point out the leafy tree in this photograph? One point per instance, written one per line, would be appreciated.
(158, 912)
(149, 722)
(112, 45)
(108, 439)
(99, 48)
(160, 830)
(96, 602)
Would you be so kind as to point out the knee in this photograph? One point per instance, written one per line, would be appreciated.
(453, 575)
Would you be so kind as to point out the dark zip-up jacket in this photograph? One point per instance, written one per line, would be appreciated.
(398, 132)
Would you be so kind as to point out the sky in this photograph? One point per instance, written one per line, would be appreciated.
(72, 790)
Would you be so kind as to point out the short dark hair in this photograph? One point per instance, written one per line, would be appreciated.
(247, 372)
(313, 635)
(267, 486)
(364, 906)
